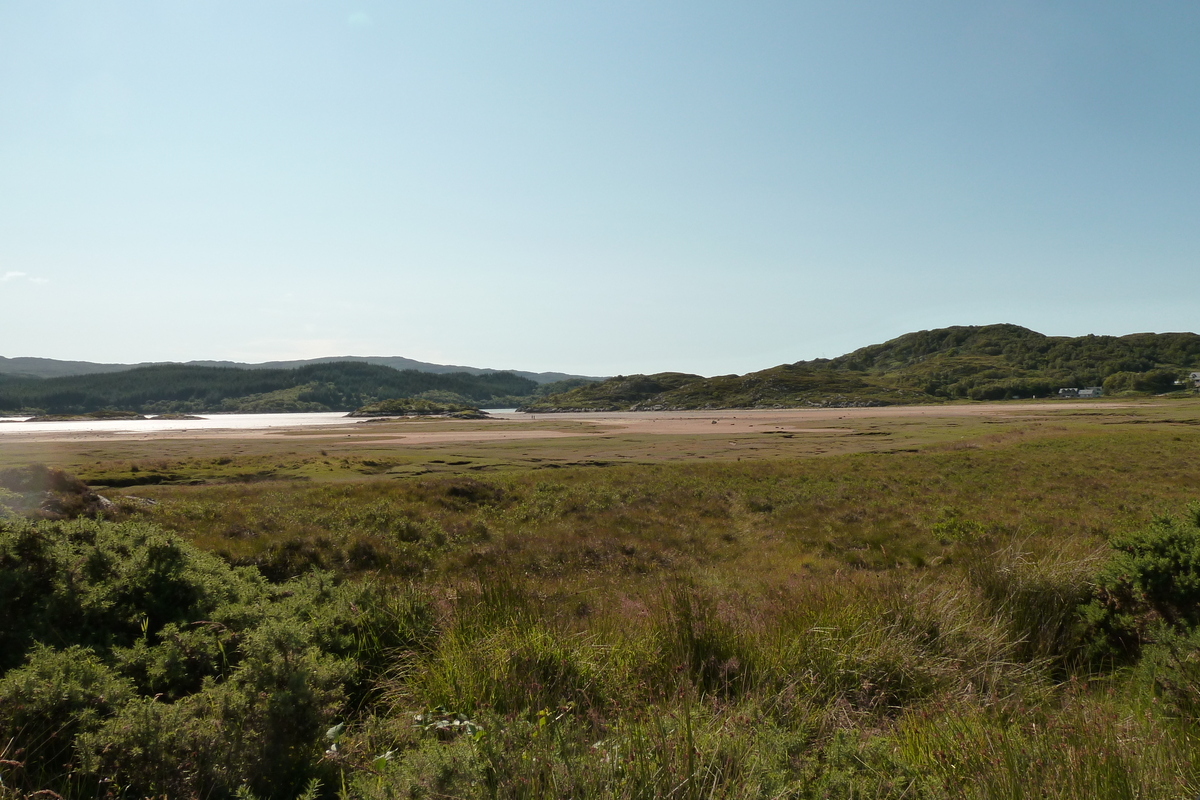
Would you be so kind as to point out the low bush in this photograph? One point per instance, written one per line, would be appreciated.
(1149, 587)
(55, 696)
(136, 661)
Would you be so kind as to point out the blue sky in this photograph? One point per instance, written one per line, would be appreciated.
(597, 188)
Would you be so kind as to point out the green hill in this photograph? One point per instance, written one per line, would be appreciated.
(339, 386)
(992, 362)
(620, 392)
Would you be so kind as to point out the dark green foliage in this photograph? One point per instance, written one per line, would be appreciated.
(623, 391)
(54, 696)
(331, 386)
(994, 362)
(1151, 583)
(1154, 381)
(1173, 667)
(787, 385)
(104, 586)
(565, 385)
(1029, 350)
(262, 726)
(135, 660)
(414, 406)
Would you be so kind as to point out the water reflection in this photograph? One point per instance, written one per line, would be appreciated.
(16, 425)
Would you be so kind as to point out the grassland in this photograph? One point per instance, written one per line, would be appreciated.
(869, 605)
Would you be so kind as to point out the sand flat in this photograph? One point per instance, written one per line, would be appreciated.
(512, 427)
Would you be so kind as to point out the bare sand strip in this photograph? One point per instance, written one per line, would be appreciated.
(821, 421)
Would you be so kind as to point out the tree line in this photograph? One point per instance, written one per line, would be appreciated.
(337, 386)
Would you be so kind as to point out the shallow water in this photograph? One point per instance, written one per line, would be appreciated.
(14, 425)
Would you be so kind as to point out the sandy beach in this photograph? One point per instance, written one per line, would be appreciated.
(517, 426)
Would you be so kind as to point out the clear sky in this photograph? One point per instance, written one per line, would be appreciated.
(591, 187)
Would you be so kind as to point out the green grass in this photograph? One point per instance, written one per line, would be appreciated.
(898, 619)
(776, 520)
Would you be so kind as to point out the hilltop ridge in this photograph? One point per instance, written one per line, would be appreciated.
(337, 386)
(989, 362)
(33, 367)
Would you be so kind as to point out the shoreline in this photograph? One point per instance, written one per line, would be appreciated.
(603, 423)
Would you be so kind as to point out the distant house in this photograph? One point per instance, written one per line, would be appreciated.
(1068, 393)
(1092, 391)
(1194, 377)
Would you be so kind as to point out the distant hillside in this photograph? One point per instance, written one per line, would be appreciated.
(52, 368)
(992, 362)
(27, 367)
(400, 363)
(621, 392)
(177, 388)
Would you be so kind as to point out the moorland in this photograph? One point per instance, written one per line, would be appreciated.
(945, 601)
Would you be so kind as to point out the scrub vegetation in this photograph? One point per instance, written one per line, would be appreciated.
(1009, 614)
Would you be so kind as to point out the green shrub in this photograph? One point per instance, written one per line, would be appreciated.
(181, 675)
(44, 704)
(952, 528)
(102, 585)
(1157, 380)
(1151, 582)
(262, 728)
(10, 502)
(1172, 668)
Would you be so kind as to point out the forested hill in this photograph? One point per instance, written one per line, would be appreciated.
(31, 367)
(334, 386)
(1090, 357)
(991, 362)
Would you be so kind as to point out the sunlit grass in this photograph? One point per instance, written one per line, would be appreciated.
(900, 621)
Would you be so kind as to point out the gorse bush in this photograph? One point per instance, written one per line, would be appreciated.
(136, 661)
(55, 696)
(105, 586)
(1149, 587)
(262, 726)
